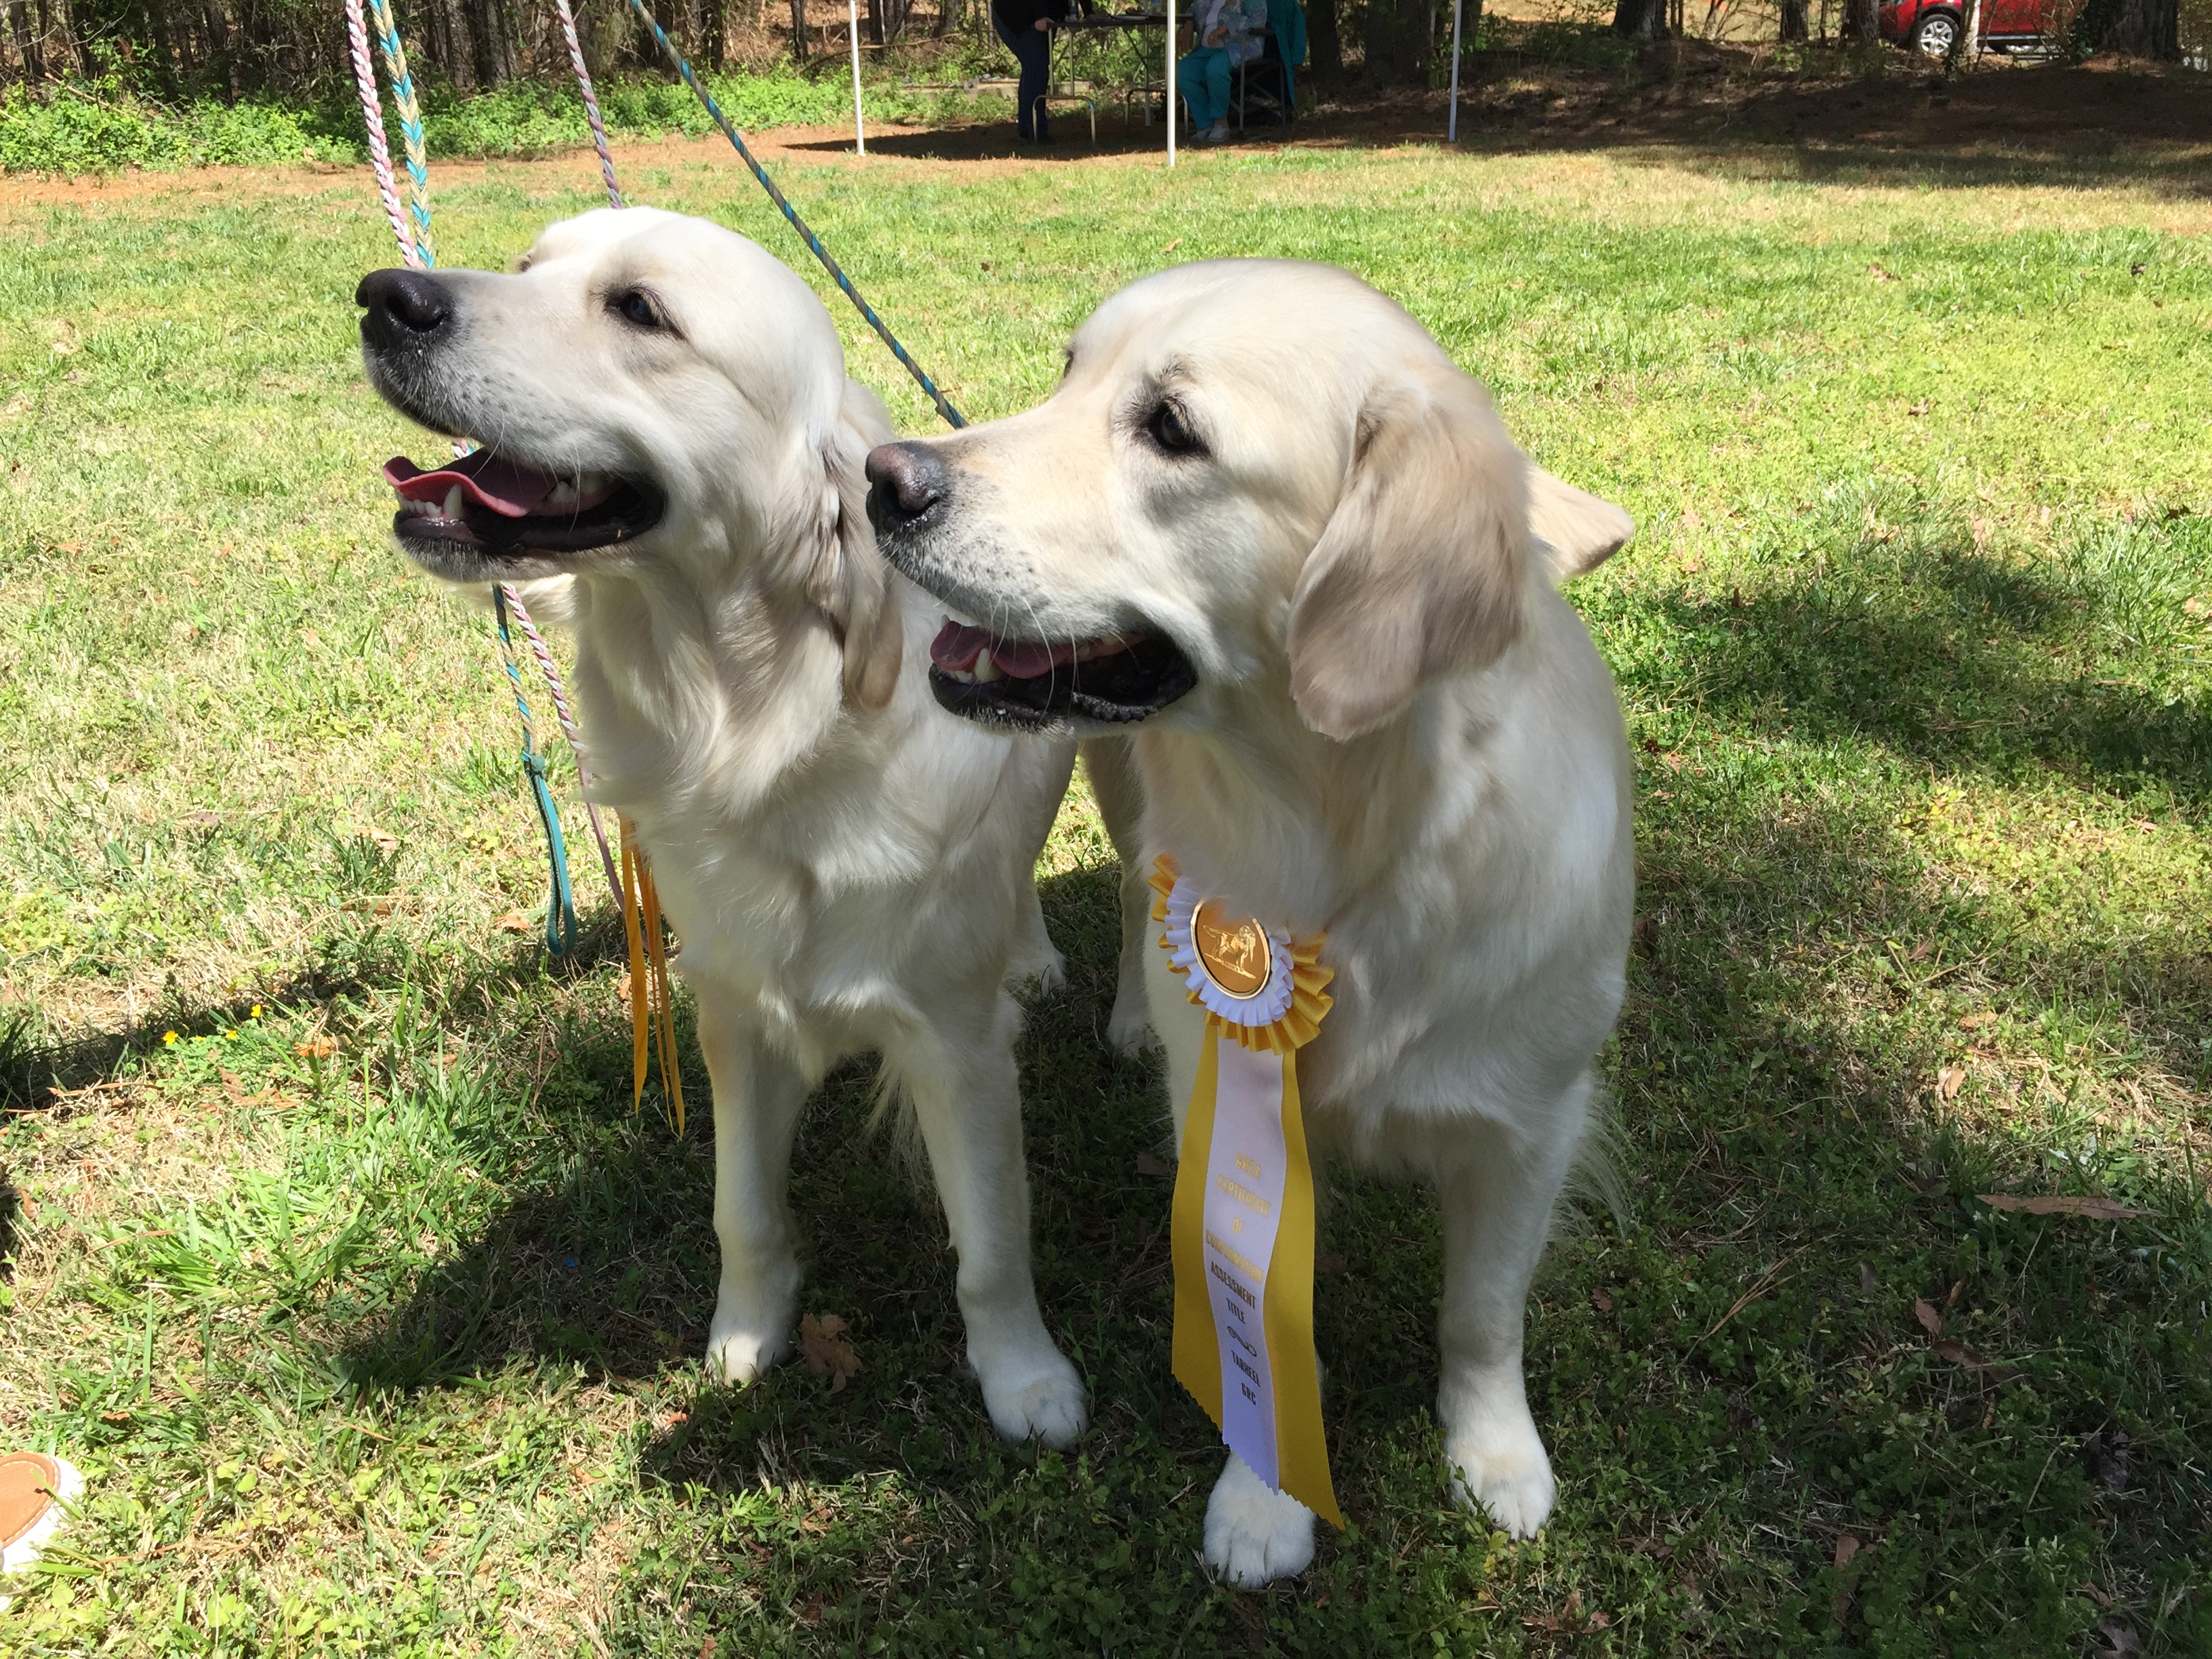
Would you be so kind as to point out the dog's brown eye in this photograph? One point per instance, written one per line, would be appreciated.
(635, 305)
(1171, 432)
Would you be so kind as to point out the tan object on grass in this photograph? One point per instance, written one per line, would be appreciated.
(34, 1490)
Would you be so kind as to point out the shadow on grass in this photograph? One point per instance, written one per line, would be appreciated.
(1819, 117)
(1744, 1361)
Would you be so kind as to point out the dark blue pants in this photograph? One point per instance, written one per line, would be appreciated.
(1032, 50)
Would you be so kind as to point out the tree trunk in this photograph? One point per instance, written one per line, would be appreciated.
(948, 18)
(798, 31)
(1640, 20)
(1400, 33)
(874, 13)
(1862, 22)
(1324, 45)
(713, 32)
(1793, 20)
(19, 14)
(2148, 28)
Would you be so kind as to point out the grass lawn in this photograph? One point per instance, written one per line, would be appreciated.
(372, 1313)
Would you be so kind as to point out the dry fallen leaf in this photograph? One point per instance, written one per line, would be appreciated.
(315, 1047)
(513, 922)
(1158, 1168)
(1880, 274)
(1975, 1022)
(1948, 1080)
(821, 1342)
(622, 988)
(1958, 1353)
(2121, 1641)
(2097, 1209)
(1846, 1547)
(1173, 246)
(1930, 1321)
(1601, 1300)
(1328, 1261)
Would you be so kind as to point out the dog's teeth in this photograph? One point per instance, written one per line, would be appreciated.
(985, 670)
(959, 674)
(590, 484)
(452, 508)
(564, 494)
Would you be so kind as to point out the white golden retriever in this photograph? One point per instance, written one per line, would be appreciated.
(1266, 523)
(670, 434)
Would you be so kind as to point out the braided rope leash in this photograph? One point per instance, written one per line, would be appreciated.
(410, 127)
(561, 910)
(559, 693)
(590, 104)
(372, 119)
(560, 919)
(952, 415)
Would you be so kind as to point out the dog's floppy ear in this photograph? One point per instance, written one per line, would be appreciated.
(851, 581)
(1422, 569)
(1579, 531)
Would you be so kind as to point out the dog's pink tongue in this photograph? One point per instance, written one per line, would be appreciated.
(956, 647)
(488, 480)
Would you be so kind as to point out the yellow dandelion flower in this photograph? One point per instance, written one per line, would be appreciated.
(232, 1032)
(169, 1039)
(255, 1012)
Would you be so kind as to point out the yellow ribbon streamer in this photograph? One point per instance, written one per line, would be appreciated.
(652, 1001)
(1301, 1443)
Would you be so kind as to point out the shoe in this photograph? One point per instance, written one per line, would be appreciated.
(1216, 134)
(34, 1488)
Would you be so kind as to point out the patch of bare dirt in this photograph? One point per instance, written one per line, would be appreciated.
(2104, 121)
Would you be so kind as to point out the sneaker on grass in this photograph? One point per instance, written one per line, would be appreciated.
(34, 1490)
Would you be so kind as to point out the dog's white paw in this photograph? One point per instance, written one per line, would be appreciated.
(1506, 1472)
(1254, 1533)
(1036, 1401)
(1129, 1027)
(739, 1349)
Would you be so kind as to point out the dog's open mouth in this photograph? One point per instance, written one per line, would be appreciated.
(1116, 679)
(495, 504)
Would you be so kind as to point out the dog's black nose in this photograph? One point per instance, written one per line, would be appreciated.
(401, 307)
(904, 482)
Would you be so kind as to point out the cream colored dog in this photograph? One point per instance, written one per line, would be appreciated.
(674, 451)
(1267, 525)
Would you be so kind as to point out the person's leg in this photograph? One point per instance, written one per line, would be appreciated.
(1190, 79)
(1033, 50)
(1217, 84)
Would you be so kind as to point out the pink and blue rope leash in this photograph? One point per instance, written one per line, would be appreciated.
(952, 415)
(416, 252)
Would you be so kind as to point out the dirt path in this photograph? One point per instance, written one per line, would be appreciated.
(2103, 123)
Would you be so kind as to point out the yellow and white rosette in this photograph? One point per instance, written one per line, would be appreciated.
(1243, 1222)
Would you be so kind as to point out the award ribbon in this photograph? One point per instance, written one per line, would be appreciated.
(1244, 1224)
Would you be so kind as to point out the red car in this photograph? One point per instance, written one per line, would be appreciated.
(1935, 26)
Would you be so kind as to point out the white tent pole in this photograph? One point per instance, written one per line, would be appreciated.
(1451, 123)
(860, 133)
(1170, 99)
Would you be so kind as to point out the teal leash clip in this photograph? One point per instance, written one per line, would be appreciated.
(561, 907)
